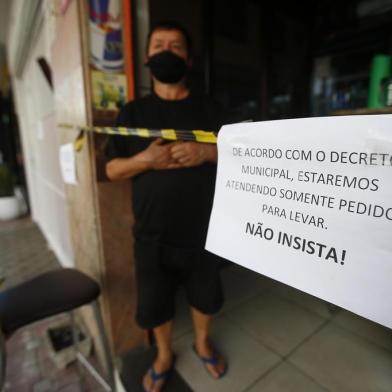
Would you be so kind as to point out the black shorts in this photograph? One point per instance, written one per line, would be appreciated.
(161, 270)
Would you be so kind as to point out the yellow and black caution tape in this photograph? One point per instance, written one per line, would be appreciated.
(196, 135)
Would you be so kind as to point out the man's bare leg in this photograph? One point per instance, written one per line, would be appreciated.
(164, 358)
(203, 347)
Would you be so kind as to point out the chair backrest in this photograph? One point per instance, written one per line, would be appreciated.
(46, 295)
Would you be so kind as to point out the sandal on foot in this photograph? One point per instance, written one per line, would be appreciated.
(155, 377)
(213, 360)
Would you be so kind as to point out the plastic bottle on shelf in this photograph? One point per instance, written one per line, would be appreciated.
(106, 52)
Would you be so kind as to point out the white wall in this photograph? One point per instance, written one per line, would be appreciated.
(40, 139)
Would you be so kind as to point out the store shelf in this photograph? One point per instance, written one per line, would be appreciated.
(351, 112)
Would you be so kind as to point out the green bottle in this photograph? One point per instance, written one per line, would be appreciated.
(380, 72)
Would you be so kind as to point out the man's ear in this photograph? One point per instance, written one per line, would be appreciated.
(145, 60)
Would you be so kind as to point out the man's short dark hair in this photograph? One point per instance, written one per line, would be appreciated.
(171, 25)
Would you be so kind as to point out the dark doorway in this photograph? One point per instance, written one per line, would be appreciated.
(261, 59)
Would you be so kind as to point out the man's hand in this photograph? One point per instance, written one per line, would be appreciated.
(158, 156)
(189, 154)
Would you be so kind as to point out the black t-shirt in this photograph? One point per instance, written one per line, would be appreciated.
(171, 207)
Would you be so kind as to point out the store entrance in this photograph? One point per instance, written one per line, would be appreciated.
(276, 60)
(253, 56)
(266, 61)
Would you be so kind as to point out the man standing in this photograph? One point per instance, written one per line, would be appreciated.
(173, 185)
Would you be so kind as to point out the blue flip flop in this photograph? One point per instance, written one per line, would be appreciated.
(213, 360)
(155, 377)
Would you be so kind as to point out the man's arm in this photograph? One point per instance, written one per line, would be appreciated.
(155, 157)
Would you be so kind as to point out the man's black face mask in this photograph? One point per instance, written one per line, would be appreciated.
(167, 67)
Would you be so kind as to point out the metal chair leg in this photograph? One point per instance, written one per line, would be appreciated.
(105, 345)
(75, 340)
(3, 360)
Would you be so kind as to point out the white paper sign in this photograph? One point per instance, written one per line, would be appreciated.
(308, 202)
(67, 163)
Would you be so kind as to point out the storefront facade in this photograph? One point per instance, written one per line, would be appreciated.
(256, 68)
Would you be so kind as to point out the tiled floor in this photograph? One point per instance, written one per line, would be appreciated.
(276, 338)
(23, 252)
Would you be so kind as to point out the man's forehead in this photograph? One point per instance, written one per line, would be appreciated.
(164, 34)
